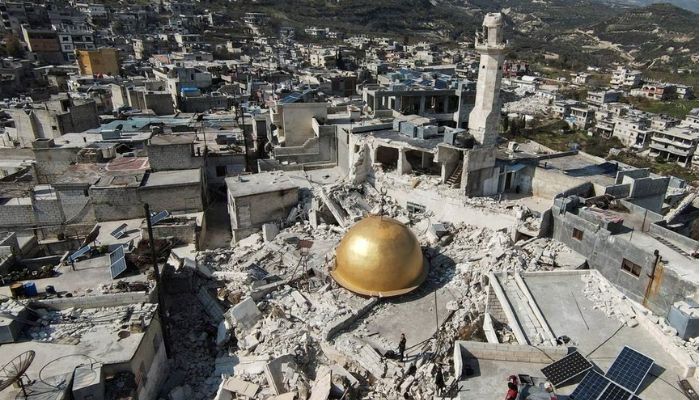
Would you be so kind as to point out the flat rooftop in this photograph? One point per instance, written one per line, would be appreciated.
(182, 138)
(584, 166)
(264, 182)
(64, 343)
(598, 337)
(172, 178)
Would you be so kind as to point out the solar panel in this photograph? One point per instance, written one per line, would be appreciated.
(629, 369)
(119, 232)
(156, 218)
(117, 262)
(615, 392)
(567, 368)
(81, 252)
(590, 387)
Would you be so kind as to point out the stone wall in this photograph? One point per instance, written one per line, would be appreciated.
(547, 184)
(16, 214)
(115, 203)
(172, 157)
(52, 163)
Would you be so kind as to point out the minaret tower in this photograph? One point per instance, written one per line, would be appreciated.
(485, 117)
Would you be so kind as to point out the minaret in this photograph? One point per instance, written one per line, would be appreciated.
(485, 117)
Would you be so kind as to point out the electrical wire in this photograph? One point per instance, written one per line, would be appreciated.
(605, 341)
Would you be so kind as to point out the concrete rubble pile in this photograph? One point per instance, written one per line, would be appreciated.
(550, 254)
(68, 326)
(615, 304)
(530, 105)
(279, 312)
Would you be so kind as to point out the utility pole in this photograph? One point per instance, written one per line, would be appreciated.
(159, 281)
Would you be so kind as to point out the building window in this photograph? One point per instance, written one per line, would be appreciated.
(631, 268)
(578, 234)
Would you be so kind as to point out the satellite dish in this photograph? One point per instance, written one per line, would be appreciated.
(14, 370)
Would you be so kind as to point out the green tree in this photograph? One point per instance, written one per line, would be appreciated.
(13, 46)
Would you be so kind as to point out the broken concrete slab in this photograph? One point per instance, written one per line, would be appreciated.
(224, 365)
(300, 299)
(343, 322)
(239, 386)
(245, 314)
(285, 396)
(222, 333)
(322, 387)
(250, 365)
(210, 304)
(270, 231)
(279, 371)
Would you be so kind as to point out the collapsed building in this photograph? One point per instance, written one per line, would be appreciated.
(365, 224)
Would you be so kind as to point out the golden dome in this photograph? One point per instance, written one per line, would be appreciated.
(379, 256)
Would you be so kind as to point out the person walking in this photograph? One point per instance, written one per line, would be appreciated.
(402, 346)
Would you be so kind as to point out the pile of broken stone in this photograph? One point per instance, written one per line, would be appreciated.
(284, 329)
(69, 325)
(615, 304)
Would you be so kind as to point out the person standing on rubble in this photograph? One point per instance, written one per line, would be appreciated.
(402, 346)
(439, 381)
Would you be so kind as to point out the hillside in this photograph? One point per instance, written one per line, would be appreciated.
(657, 35)
(690, 5)
(569, 33)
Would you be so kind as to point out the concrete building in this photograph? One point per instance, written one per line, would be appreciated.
(44, 44)
(448, 102)
(623, 77)
(52, 119)
(581, 116)
(102, 61)
(627, 252)
(295, 121)
(484, 120)
(142, 355)
(121, 196)
(75, 38)
(655, 91)
(177, 79)
(633, 131)
(602, 96)
(676, 144)
(255, 200)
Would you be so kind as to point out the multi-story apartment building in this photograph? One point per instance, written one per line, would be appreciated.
(633, 131)
(676, 144)
(623, 77)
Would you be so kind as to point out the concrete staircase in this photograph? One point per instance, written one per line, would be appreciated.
(456, 178)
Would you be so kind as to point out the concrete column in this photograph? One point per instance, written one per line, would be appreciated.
(446, 104)
(403, 166)
(425, 160)
(422, 105)
(397, 106)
